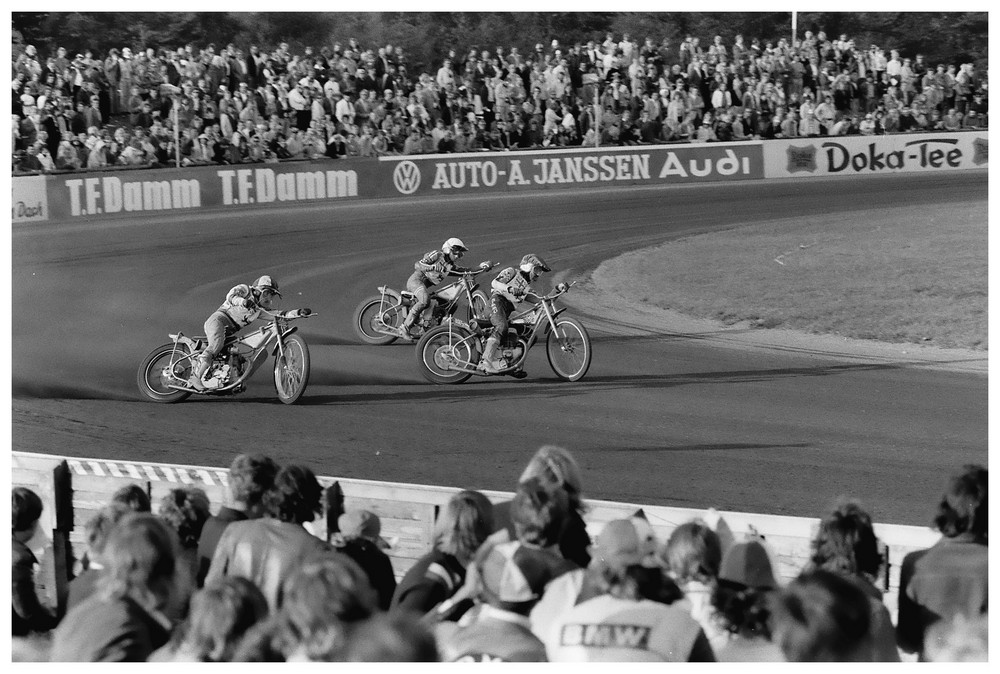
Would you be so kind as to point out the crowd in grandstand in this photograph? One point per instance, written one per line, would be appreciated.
(519, 580)
(205, 105)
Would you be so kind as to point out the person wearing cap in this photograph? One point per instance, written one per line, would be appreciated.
(360, 539)
(511, 287)
(627, 609)
(243, 305)
(740, 600)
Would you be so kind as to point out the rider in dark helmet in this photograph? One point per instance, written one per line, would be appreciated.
(242, 307)
(428, 271)
(510, 287)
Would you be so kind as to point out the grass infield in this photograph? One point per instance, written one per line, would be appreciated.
(895, 275)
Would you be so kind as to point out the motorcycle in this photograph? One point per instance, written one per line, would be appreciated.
(164, 374)
(450, 353)
(379, 319)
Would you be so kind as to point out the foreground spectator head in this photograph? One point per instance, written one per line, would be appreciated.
(133, 497)
(99, 527)
(362, 524)
(320, 598)
(186, 511)
(465, 522)
(295, 497)
(389, 638)
(539, 512)
(221, 613)
(822, 617)
(250, 477)
(741, 593)
(140, 558)
(513, 576)
(25, 511)
(846, 543)
(964, 506)
(693, 553)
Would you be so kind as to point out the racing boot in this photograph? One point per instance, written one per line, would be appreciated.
(488, 362)
(201, 363)
(406, 329)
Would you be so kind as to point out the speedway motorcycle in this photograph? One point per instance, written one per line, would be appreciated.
(379, 319)
(450, 353)
(164, 374)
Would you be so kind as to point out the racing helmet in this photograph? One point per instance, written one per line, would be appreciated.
(265, 282)
(532, 265)
(454, 245)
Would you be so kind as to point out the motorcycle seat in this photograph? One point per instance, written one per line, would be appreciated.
(406, 294)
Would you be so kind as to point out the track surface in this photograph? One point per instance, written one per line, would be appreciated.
(659, 419)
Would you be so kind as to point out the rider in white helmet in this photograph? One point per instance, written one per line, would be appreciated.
(430, 270)
(510, 287)
(242, 307)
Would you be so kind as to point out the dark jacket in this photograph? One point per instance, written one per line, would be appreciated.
(108, 630)
(432, 579)
(210, 535)
(376, 564)
(28, 614)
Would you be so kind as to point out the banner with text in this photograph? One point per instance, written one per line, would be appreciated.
(875, 155)
(29, 200)
(86, 195)
(523, 171)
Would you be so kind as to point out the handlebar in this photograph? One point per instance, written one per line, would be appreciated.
(561, 289)
(290, 314)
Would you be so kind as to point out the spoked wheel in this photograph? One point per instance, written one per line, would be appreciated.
(165, 365)
(440, 350)
(291, 369)
(480, 307)
(377, 313)
(568, 349)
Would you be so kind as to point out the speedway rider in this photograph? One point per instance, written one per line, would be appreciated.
(510, 287)
(242, 307)
(428, 271)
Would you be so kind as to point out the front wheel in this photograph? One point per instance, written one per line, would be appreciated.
(373, 316)
(568, 349)
(165, 365)
(442, 350)
(291, 369)
(480, 307)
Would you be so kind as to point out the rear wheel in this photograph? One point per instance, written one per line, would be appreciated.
(291, 369)
(376, 314)
(568, 349)
(480, 307)
(441, 350)
(165, 365)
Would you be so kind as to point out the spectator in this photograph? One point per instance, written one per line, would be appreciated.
(266, 550)
(323, 596)
(949, 578)
(822, 617)
(221, 614)
(360, 539)
(740, 601)
(960, 639)
(388, 638)
(124, 620)
(98, 530)
(28, 613)
(464, 524)
(594, 629)
(692, 556)
(185, 510)
(846, 544)
(556, 466)
(250, 477)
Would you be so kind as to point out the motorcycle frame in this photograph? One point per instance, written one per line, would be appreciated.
(273, 344)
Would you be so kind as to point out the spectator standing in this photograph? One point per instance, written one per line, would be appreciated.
(266, 550)
(250, 477)
(28, 614)
(124, 620)
(464, 524)
(951, 577)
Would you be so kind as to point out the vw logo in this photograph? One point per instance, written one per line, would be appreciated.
(406, 177)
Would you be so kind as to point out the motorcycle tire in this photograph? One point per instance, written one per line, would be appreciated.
(291, 370)
(437, 349)
(568, 349)
(480, 307)
(150, 377)
(367, 313)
